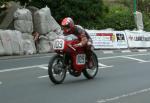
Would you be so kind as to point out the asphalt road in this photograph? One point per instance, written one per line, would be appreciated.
(122, 78)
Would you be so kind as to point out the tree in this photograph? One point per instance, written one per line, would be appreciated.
(143, 5)
(84, 12)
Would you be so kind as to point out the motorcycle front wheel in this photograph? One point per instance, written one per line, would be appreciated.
(91, 72)
(56, 70)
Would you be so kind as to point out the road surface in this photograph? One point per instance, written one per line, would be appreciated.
(122, 78)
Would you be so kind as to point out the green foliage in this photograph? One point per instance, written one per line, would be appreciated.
(84, 12)
(146, 19)
(143, 5)
(119, 18)
(40, 3)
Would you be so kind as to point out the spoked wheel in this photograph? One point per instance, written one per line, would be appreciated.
(92, 67)
(56, 70)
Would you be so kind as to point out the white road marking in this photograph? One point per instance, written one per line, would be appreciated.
(123, 96)
(137, 54)
(112, 57)
(0, 82)
(145, 62)
(125, 51)
(21, 68)
(108, 52)
(140, 60)
(7, 59)
(103, 58)
(106, 67)
(46, 56)
(102, 66)
(142, 50)
(43, 67)
(45, 76)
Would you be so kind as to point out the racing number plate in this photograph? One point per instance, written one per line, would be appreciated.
(58, 44)
(80, 60)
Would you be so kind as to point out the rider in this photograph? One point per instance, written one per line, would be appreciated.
(69, 27)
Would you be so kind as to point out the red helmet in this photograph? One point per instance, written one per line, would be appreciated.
(67, 25)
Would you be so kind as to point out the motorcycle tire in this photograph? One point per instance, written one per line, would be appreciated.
(56, 70)
(91, 73)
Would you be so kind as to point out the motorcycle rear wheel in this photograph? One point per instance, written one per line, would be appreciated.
(56, 70)
(90, 73)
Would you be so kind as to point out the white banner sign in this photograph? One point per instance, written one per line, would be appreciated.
(108, 39)
(138, 39)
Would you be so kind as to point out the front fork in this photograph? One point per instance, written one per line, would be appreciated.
(67, 58)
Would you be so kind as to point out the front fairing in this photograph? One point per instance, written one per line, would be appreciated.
(62, 42)
(77, 55)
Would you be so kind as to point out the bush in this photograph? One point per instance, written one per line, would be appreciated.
(119, 18)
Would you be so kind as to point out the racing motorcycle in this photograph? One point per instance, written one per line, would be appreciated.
(70, 59)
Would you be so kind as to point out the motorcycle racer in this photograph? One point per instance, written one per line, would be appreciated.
(69, 27)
